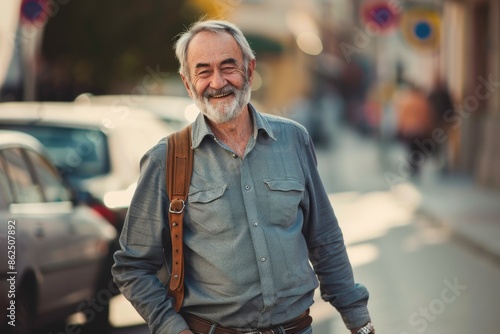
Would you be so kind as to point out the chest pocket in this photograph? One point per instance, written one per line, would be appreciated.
(207, 209)
(284, 196)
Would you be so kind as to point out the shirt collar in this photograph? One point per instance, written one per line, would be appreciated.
(201, 128)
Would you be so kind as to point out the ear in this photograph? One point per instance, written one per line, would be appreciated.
(186, 85)
(251, 70)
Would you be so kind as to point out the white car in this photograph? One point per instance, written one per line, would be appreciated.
(97, 148)
(53, 251)
(176, 111)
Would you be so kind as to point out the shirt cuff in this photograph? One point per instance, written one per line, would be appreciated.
(356, 318)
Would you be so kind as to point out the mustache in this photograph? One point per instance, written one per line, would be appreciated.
(228, 89)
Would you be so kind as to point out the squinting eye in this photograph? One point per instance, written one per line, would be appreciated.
(228, 69)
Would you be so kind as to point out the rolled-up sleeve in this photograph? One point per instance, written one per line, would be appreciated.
(141, 248)
(327, 250)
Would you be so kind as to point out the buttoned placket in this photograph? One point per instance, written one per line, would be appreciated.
(258, 238)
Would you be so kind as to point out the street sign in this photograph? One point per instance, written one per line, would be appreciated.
(381, 15)
(421, 28)
(35, 12)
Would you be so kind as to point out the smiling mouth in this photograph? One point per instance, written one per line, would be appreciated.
(221, 95)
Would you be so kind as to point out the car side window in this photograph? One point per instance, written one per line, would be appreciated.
(48, 178)
(23, 188)
(5, 194)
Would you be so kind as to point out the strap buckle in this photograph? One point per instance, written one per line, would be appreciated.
(172, 208)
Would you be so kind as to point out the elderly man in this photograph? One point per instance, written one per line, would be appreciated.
(256, 216)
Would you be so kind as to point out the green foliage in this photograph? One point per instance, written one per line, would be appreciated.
(97, 45)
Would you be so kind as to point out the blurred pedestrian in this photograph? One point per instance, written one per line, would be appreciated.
(441, 105)
(414, 124)
(256, 213)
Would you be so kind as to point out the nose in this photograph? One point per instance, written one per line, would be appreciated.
(218, 81)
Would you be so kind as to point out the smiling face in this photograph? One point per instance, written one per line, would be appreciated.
(219, 81)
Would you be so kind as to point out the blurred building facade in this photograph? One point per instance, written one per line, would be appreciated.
(465, 53)
(471, 59)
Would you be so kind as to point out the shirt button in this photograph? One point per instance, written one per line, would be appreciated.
(255, 224)
(247, 187)
(235, 155)
(263, 259)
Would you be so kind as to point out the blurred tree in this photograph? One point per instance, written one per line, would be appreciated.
(110, 46)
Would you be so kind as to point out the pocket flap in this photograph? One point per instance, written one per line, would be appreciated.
(284, 185)
(207, 195)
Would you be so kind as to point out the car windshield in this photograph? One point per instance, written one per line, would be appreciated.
(78, 153)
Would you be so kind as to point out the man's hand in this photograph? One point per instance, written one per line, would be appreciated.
(187, 331)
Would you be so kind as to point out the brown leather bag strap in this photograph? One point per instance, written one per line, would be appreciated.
(179, 171)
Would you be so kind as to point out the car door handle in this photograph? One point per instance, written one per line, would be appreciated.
(39, 232)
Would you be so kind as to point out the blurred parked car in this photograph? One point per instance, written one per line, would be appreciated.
(176, 111)
(96, 148)
(53, 250)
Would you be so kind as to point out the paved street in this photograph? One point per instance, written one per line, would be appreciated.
(422, 279)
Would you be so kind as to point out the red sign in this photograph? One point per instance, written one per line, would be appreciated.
(380, 14)
(35, 11)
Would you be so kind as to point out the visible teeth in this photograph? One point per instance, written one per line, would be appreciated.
(221, 95)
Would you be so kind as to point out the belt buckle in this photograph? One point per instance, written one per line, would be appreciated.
(259, 332)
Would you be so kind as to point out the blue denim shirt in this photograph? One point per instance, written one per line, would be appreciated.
(252, 229)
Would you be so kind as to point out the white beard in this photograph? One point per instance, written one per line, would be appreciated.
(223, 112)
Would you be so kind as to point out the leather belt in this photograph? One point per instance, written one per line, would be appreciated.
(200, 325)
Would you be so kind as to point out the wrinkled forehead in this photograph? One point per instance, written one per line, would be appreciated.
(212, 48)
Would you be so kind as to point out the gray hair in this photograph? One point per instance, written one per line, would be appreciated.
(214, 26)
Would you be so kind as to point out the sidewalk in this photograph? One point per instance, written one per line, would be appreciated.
(471, 212)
